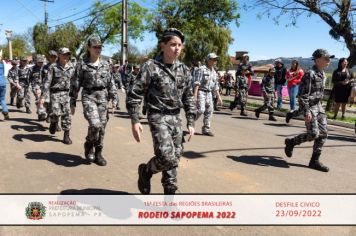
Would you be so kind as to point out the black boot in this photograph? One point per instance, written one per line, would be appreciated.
(288, 150)
(52, 128)
(99, 159)
(243, 113)
(89, 151)
(316, 164)
(66, 138)
(271, 117)
(19, 103)
(289, 116)
(170, 189)
(12, 101)
(144, 179)
(28, 110)
(6, 115)
(257, 113)
(232, 106)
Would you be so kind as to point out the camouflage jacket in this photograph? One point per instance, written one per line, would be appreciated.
(23, 76)
(130, 80)
(12, 75)
(93, 78)
(36, 76)
(311, 89)
(162, 92)
(206, 79)
(241, 83)
(117, 79)
(58, 78)
(268, 84)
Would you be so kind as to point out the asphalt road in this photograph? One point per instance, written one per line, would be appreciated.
(245, 156)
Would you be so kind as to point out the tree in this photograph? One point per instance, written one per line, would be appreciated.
(134, 55)
(204, 24)
(20, 47)
(338, 14)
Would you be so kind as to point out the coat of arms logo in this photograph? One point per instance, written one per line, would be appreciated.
(35, 211)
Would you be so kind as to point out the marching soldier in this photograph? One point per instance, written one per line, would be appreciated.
(23, 84)
(241, 89)
(57, 87)
(310, 96)
(93, 74)
(165, 85)
(132, 76)
(36, 81)
(11, 77)
(268, 94)
(118, 81)
(205, 83)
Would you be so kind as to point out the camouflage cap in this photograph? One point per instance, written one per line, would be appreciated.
(13, 62)
(52, 53)
(174, 32)
(39, 58)
(321, 53)
(63, 51)
(23, 58)
(212, 56)
(116, 65)
(136, 66)
(94, 40)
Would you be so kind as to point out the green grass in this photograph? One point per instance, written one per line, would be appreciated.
(350, 120)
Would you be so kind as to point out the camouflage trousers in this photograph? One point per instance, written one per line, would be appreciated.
(317, 129)
(268, 103)
(205, 105)
(13, 91)
(36, 90)
(24, 94)
(167, 138)
(240, 99)
(60, 108)
(95, 108)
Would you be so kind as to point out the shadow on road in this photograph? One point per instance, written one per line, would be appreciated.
(283, 125)
(57, 158)
(244, 118)
(31, 126)
(342, 138)
(89, 191)
(273, 161)
(15, 110)
(35, 137)
(193, 155)
(121, 114)
(222, 113)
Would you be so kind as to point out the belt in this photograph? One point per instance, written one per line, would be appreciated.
(165, 111)
(59, 90)
(204, 90)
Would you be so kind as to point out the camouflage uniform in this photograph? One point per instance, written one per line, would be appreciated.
(47, 101)
(165, 90)
(11, 77)
(207, 80)
(56, 89)
(36, 80)
(98, 87)
(241, 88)
(268, 94)
(24, 93)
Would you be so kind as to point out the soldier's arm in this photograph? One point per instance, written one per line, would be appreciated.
(304, 93)
(112, 90)
(10, 78)
(137, 92)
(47, 84)
(189, 102)
(197, 81)
(75, 85)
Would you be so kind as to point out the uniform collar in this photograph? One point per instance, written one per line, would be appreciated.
(159, 59)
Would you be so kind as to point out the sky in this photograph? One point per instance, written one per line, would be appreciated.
(260, 37)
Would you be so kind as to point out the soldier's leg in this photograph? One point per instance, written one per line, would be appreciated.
(263, 107)
(169, 177)
(104, 116)
(271, 108)
(20, 97)
(243, 101)
(208, 114)
(27, 97)
(66, 118)
(55, 112)
(319, 143)
(13, 91)
(200, 104)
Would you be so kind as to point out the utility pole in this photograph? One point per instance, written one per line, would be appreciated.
(45, 10)
(8, 34)
(124, 32)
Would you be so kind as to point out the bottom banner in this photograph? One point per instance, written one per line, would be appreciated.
(178, 209)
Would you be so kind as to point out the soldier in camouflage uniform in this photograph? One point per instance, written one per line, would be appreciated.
(36, 81)
(241, 89)
(57, 86)
(118, 81)
(132, 76)
(22, 81)
(310, 96)
(94, 75)
(268, 94)
(11, 77)
(205, 83)
(165, 85)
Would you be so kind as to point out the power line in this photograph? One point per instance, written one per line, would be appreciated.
(91, 14)
(27, 9)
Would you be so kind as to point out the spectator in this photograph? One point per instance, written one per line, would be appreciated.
(3, 92)
(294, 76)
(279, 80)
(342, 78)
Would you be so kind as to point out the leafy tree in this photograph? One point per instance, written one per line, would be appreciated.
(19, 47)
(338, 14)
(134, 55)
(204, 23)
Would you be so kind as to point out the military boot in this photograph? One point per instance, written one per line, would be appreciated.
(19, 103)
(12, 101)
(271, 117)
(52, 128)
(288, 150)
(99, 159)
(89, 151)
(144, 179)
(243, 113)
(6, 115)
(28, 110)
(316, 164)
(289, 116)
(170, 189)
(257, 112)
(66, 138)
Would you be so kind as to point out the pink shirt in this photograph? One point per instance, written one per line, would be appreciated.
(294, 77)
